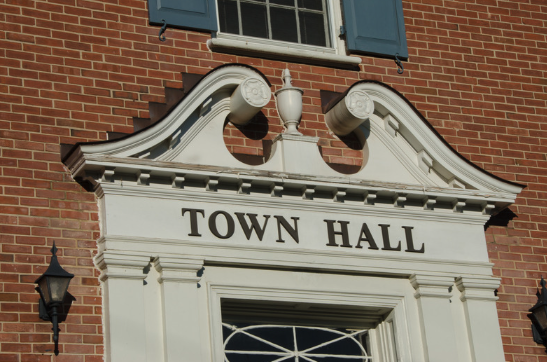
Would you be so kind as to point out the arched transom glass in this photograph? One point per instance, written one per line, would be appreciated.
(277, 343)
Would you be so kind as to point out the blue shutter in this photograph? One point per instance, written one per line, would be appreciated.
(192, 14)
(375, 27)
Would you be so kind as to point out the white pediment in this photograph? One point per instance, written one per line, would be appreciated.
(401, 153)
(401, 231)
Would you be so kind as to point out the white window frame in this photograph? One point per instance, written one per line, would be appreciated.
(334, 55)
(382, 341)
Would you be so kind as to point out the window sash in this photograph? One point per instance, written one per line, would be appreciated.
(336, 342)
(268, 5)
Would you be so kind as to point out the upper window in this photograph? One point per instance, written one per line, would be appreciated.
(295, 21)
(322, 31)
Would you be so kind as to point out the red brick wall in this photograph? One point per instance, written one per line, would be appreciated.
(71, 70)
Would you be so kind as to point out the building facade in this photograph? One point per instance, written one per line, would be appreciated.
(406, 207)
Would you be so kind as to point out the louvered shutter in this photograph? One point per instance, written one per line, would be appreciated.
(375, 27)
(191, 14)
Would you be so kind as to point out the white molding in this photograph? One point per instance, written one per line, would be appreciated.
(478, 288)
(414, 130)
(219, 83)
(177, 269)
(391, 125)
(425, 161)
(432, 286)
(121, 265)
(218, 253)
(367, 189)
(144, 181)
(312, 204)
(416, 214)
(324, 58)
(338, 295)
(393, 144)
(481, 318)
(122, 277)
(188, 133)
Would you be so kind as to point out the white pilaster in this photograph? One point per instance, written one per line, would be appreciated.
(438, 331)
(482, 318)
(125, 329)
(180, 305)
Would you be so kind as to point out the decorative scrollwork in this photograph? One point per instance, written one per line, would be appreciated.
(359, 104)
(256, 92)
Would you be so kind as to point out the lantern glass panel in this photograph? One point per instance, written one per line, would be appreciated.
(541, 315)
(43, 285)
(58, 287)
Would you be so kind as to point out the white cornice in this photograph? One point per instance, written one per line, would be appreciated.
(224, 79)
(191, 136)
(214, 253)
(123, 169)
(420, 136)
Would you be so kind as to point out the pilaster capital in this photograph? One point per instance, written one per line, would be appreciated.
(121, 265)
(432, 286)
(478, 288)
(178, 269)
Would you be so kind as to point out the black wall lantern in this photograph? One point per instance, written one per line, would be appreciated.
(53, 286)
(539, 316)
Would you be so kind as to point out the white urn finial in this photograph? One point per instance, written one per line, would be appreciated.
(289, 104)
(287, 77)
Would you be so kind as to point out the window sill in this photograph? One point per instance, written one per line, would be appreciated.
(277, 52)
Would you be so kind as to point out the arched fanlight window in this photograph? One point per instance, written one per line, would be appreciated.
(277, 343)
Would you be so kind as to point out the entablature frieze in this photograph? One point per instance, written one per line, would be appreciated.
(190, 256)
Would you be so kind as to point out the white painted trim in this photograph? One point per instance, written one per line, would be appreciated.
(212, 94)
(250, 201)
(214, 252)
(418, 134)
(283, 53)
(347, 184)
(140, 203)
(223, 80)
(263, 42)
(324, 56)
(334, 295)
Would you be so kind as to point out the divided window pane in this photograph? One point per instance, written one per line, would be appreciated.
(266, 342)
(311, 4)
(282, 2)
(254, 20)
(272, 331)
(284, 26)
(227, 12)
(312, 28)
(295, 21)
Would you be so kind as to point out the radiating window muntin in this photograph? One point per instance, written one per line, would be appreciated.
(245, 342)
(295, 21)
